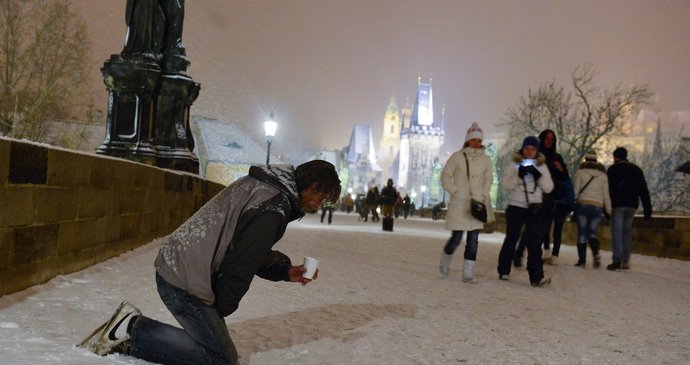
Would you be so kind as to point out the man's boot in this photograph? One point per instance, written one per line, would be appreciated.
(581, 255)
(445, 263)
(468, 270)
(594, 244)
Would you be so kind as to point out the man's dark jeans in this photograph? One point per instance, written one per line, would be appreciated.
(204, 338)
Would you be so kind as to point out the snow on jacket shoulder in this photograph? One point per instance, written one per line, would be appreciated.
(454, 181)
(193, 254)
(515, 186)
(597, 191)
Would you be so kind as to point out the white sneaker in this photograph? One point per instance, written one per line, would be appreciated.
(113, 333)
(545, 254)
(553, 260)
(543, 282)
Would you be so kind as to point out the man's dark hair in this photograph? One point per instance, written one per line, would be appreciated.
(323, 173)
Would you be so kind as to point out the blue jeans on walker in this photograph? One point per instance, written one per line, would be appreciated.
(621, 235)
(588, 219)
(470, 248)
(203, 338)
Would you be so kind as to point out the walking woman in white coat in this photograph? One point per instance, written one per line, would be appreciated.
(467, 174)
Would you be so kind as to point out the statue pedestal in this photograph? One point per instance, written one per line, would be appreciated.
(148, 114)
(131, 93)
(174, 141)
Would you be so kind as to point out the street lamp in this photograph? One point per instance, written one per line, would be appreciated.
(423, 189)
(270, 126)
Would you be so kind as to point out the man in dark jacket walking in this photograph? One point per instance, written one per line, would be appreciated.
(627, 187)
(205, 267)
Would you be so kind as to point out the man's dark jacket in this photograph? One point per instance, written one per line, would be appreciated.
(559, 177)
(627, 187)
(388, 195)
(215, 254)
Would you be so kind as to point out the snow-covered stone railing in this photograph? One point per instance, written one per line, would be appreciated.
(63, 210)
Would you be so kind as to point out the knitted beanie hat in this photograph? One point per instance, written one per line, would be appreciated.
(474, 132)
(531, 141)
(591, 155)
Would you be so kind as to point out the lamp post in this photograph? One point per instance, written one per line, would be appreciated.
(423, 189)
(270, 127)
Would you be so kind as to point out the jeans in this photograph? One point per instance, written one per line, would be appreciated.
(204, 338)
(588, 219)
(621, 234)
(470, 248)
(532, 220)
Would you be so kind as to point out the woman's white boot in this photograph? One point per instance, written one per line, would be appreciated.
(468, 270)
(445, 263)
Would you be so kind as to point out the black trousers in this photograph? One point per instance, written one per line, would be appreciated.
(532, 221)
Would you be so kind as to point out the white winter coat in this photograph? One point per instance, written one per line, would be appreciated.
(513, 184)
(597, 192)
(454, 181)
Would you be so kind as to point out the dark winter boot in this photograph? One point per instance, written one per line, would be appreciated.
(594, 244)
(581, 255)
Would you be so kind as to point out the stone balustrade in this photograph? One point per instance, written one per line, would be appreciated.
(62, 211)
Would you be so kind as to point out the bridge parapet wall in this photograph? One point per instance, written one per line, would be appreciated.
(62, 211)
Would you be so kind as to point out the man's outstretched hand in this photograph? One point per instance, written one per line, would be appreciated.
(295, 273)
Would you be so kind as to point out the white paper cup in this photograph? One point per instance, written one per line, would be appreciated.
(310, 264)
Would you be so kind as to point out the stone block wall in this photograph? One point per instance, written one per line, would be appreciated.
(664, 236)
(62, 211)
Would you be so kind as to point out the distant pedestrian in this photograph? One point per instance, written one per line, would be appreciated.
(436, 211)
(467, 175)
(398, 205)
(348, 203)
(627, 187)
(593, 202)
(327, 208)
(406, 206)
(372, 202)
(525, 180)
(388, 198)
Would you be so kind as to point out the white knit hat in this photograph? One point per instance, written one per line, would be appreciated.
(591, 155)
(474, 132)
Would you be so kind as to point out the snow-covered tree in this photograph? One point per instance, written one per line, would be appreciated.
(669, 189)
(581, 118)
(43, 59)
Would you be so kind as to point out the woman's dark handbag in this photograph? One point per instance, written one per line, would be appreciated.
(478, 210)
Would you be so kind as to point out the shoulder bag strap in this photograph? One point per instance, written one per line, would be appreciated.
(469, 183)
(584, 187)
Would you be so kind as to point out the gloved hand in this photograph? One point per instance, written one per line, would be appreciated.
(522, 171)
(534, 172)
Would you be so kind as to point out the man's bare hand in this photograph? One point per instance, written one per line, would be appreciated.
(296, 272)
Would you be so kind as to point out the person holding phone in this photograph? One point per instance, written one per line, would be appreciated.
(526, 178)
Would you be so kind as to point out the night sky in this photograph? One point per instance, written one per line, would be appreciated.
(324, 65)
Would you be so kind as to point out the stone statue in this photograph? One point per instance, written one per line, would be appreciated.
(154, 34)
